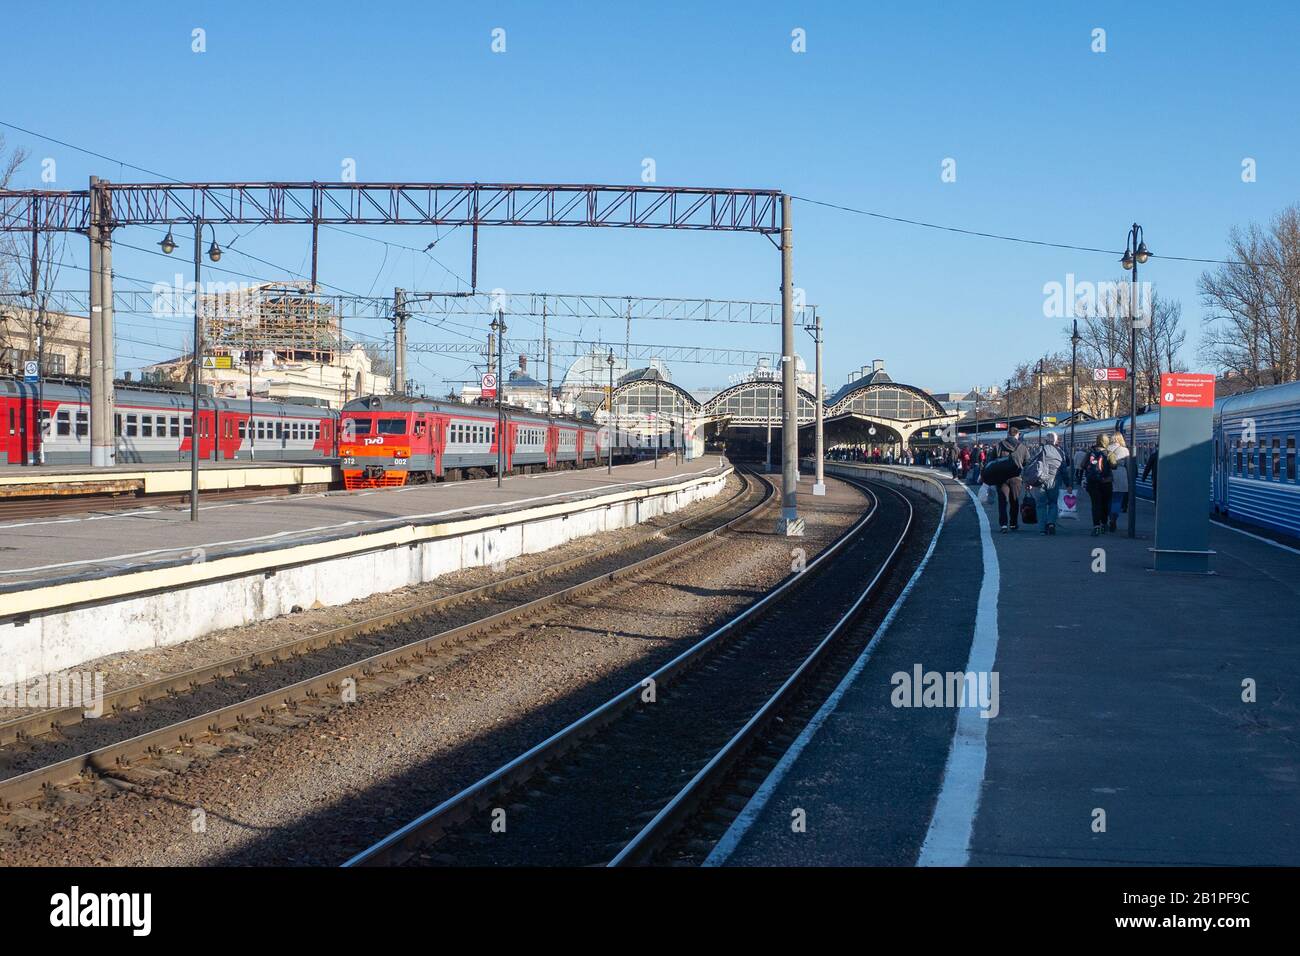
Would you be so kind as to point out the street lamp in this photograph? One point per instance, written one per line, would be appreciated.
(1074, 388)
(1135, 254)
(1041, 371)
(609, 419)
(498, 325)
(168, 246)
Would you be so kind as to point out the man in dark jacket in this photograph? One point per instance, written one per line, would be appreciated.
(1153, 468)
(1009, 491)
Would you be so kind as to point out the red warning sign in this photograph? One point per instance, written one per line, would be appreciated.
(1186, 390)
(1109, 374)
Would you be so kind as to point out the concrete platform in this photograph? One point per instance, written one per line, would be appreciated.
(1120, 734)
(17, 481)
(76, 588)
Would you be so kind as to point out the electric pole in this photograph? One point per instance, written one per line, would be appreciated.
(399, 342)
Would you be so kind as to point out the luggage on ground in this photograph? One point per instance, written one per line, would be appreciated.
(1028, 511)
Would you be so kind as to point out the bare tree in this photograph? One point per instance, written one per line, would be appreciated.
(1159, 347)
(1103, 343)
(1252, 329)
(10, 254)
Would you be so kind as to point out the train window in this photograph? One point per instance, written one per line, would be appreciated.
(132, 426)
(63, 423)
(12, 420)
(175, 424)
(83, 424)
(1290, 458)
(146, 426)
(230, 431)
(361, 426)
(243, 430)
(47, 423)
(1263, 461)
(1277, 459)
(187, 427)
(392, 426)
(117, 425)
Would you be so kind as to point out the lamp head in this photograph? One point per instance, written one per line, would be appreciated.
(168, 244)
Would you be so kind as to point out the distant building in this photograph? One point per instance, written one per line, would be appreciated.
(66, 347)
(276, 340)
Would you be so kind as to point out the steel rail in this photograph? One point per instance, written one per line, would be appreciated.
(117, 756)
(641, 848)
(42, 722)
(431, 824)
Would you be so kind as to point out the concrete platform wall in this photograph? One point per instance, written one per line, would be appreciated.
(61, 638)
(918, 480)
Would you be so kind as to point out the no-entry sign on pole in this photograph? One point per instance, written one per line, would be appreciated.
(488, 385)
(1109, 374)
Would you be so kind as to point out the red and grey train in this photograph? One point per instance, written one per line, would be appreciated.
(154, 425)
(387, 441)
(381, 441)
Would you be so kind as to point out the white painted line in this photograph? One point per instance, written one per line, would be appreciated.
(947, 841)
(1257, 537)
(730, 840)
(110, 559)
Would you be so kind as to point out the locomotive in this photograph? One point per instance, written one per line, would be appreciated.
(387, 441)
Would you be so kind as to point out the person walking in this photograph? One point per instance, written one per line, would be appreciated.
(1009, 491)
(1097, 479)
(1049, 472)
(1152, 467)
(1117, 452)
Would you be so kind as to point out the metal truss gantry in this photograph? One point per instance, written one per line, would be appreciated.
(105, 206)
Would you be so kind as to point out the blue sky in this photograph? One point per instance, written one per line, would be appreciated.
(1051, 141)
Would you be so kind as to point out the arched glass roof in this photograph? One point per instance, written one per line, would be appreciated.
(888, 401)
(755, 403)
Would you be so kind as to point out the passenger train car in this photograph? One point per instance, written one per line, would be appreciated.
(388, 441)
(154, 425)
(1253, 476)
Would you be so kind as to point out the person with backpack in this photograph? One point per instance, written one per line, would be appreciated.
(1008, 489)
(1048, 472)
(1098, 476)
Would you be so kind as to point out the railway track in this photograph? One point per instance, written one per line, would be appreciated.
(15, 509)
(162, 725)
(616, 785)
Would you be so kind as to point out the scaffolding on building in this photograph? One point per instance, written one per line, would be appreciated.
(280, 317)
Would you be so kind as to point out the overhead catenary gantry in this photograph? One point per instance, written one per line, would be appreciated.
(106, 206)
(696, 354)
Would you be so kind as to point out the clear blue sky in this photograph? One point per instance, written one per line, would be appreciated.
(1051, 140)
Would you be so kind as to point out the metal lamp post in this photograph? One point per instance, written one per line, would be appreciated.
(609, 419)
(1074, 388)
(1135, 253)
(499, 327)
(168, 246)
(1042, 369)
(657, 434)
